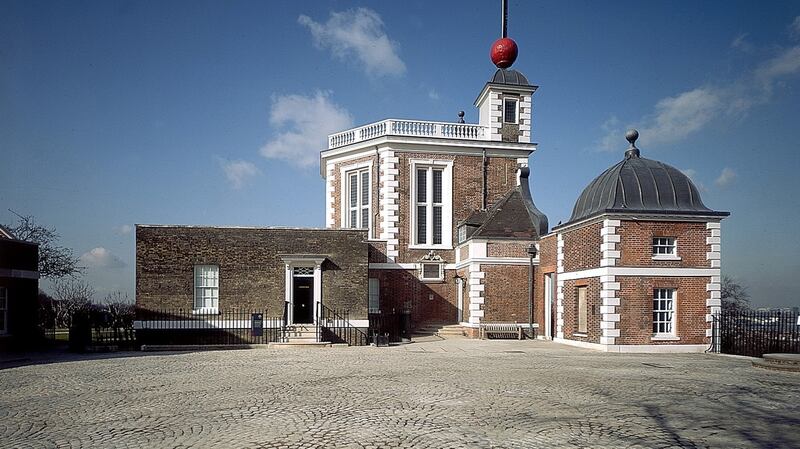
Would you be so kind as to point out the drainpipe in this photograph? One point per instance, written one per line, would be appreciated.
(532, 253)
(485, 187)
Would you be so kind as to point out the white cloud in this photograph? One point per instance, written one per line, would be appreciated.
(101, 258)
(741, 43)
(238, 172)
(676, 117)
(360, 33)
(433, 95)
(692, 174)
(786, 63)
(794, 28)
(726, 177)
(306, 122)
(123, 229)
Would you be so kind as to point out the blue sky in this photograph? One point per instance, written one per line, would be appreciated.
(115, 113)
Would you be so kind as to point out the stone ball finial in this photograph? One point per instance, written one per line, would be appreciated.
(631, 137)
(460, 116)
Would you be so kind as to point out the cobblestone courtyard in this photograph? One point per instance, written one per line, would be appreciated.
(455, 393)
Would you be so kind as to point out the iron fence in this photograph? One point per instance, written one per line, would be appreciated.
(755, 333)
(188, 327)
(393, 325)
(335, 327)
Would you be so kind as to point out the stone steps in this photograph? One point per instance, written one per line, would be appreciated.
(301, 344)
(440, 330)
(779, 362)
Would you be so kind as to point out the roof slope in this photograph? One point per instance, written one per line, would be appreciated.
(513, 216)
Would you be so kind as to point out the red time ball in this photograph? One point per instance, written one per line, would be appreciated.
(504, 52)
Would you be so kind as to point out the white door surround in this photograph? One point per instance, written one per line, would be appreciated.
(292, 261)
(460, 299)
(548, 305)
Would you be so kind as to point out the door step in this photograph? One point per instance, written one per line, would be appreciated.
(300, 344)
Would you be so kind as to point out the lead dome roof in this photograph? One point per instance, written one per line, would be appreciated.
(509, 77)
(640, 185)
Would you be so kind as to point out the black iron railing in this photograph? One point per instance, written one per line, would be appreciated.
(188, 327)
(393, 325)
(335, 327)
(755, 333)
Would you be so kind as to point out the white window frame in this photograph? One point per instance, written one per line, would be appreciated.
(201, 309)
(462, 234)
(447, 203)
(374, 295)
(4, 309)
(438, 278)
(345, 195)
(673, 255)
(661, 295)
(516, 110)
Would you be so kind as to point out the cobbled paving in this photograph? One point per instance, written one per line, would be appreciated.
(437, 394)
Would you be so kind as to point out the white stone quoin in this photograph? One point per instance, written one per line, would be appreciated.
(713, 255)
(389, 207)
(329, 199)
(476, 293)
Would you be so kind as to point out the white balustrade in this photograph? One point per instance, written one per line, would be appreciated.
(414, 128)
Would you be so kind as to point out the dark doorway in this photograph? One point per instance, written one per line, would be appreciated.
(303, 300)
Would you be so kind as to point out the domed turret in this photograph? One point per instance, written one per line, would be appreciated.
(640, 185)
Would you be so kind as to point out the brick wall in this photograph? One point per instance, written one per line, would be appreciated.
(252, 275)
(517, 248)
(506, 294)
(467, 192)
(636, 241)
(428, 302)
(636, 305)
(464, 252)
(593, 302)
(582, 247)
(377, 251)
(547, 264)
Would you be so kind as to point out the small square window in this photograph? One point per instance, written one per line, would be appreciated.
(462, 234)
(510, 110)
(664, 246)
(431, 272)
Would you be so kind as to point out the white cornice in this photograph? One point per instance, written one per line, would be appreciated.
(639, 271)
(428, 145)
(635, 217)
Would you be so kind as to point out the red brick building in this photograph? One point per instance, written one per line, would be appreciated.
(450, 235)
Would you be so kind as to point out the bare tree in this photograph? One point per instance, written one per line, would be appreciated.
(71, 296)
(119, 312)
(734, 295)
(119, 309)
(55, 261)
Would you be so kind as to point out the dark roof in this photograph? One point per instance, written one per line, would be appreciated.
(476, 218)
(513, 216)
(512, 77)
(6, 233)
(640, 185)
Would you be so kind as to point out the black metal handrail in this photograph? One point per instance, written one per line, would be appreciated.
(284, 337)
(336, 326)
